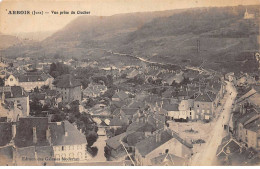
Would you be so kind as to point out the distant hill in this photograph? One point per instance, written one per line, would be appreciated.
(227, 41)
(8, 41)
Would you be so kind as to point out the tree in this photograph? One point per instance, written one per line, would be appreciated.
(35, 106)
(93, 151)
(107, 153)
(92, 137)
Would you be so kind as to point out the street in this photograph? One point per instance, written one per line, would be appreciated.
(207, 156)
(100, 144)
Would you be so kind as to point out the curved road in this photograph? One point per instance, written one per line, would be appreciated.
(207, 156)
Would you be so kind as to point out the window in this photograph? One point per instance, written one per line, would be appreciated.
(246, 132)
(198, 105)
(167, 151)
(11, 79)
(62, 148)
(71, 148)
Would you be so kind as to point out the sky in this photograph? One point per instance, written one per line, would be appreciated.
(13, 24)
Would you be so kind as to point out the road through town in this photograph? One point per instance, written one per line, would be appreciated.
(207, 156)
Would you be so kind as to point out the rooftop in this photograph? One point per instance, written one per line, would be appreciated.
(67, 81)
(64, 133)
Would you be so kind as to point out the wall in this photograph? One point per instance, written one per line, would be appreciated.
(71, 151)
(11, 81)
(173, 146)
(202, 108)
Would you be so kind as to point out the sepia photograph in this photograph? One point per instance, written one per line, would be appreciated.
(129, 83)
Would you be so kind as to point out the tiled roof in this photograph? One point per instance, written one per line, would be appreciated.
(33, 77)
(255, 99)
(133, 138)
(254, 125)
(67, 81)
(203, 97)
(118, 121)
(6, 133)
(59, 137)
(168, 159)
(147, 127)
(6, 155)
(24, 131)
(13, 92)
(171, 107)
(121, 94)
(247, 116)
(114, 142)
(149, 144)
(228, 143)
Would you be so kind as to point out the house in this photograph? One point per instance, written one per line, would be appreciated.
(68, 87)
(36, 133)
(126, 112)
(228, 146)
(248, 99)
(119, 96)
(161, 142)
(186, 109)
(115, 146)
(93, 90)
(173, 111)
(247, 128)
(47, 97)
(61, 142)
(203, 106)
(68, 143)
(166, 159)
(29, 80)
(252, 130)
(18, 96)
(118, 121)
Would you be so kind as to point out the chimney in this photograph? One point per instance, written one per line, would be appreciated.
(34, 135)
(66, 133)
(15, 104)
(48, 135)
(13, 130)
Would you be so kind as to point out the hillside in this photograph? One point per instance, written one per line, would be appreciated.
(226, 39)
(167, 36)
(8, 41)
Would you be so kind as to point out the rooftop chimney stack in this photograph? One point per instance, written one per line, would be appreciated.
(13, 130)
(34, 135)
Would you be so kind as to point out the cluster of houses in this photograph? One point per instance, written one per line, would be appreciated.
(242, 142)
(28, 140)
(144, 117)
(37, 141)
